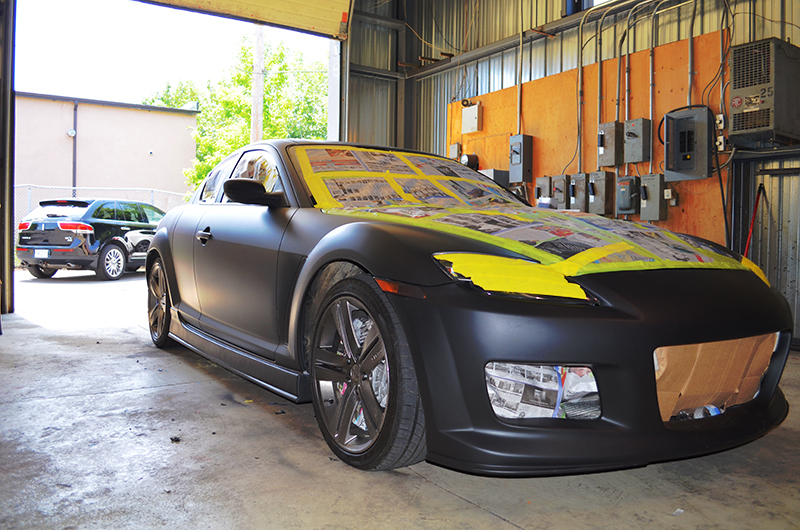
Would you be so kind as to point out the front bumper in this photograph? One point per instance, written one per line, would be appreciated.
(454, 332)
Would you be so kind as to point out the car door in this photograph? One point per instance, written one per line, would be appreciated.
(183, 243)
(136, 230)
(235, 262)
(104, 222)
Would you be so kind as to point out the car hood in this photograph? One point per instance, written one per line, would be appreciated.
(574, 243)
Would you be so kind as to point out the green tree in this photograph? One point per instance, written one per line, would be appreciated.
(295, 105)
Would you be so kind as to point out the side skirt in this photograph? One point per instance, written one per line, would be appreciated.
(288, 384)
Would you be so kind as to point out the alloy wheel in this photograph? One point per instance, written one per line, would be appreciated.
(351, 375)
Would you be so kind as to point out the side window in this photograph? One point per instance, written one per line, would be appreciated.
(210, 186)
(129, 212)
(105, 211)
(260, 166)
(153, 214)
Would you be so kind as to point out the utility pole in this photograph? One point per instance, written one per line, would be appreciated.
(257, 107)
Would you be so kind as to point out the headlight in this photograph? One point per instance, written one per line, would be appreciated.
(510, 276)
(518, 391)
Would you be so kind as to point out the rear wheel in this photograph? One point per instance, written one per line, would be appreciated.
(111, 263)
(40, 272)
(158, 305)
(364, 387)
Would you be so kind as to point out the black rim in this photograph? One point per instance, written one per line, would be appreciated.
(351, 375)
(157, 301)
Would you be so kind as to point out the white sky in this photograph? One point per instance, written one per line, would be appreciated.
(124, 51)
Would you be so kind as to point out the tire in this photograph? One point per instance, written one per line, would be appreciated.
(41, 273)
(364, 388)
(111, 263)
(158, 305)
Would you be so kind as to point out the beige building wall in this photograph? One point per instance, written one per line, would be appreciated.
(43, 151)
(116, 145)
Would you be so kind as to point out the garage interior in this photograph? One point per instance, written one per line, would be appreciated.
(102, 429)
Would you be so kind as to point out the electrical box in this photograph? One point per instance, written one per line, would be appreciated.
(637, 141)
(764, 107)
(542, 188)
(560, 192)
(627, 195)
(600, 191)
(689, 144)
(520, 166)
(454, 151)
(578, 199)
(653, 204)
(609, 144)
(472, 118)
(498, 175)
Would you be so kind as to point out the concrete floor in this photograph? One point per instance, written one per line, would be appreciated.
(88, 408)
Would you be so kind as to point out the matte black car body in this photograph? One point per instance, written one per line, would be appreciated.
(105, 235)
(244, 283)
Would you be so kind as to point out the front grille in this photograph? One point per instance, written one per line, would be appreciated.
(722, 374)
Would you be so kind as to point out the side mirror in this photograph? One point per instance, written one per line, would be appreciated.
(249, 191)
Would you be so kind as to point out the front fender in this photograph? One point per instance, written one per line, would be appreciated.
(392, 251)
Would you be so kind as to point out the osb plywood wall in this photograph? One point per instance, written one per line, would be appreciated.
(549, 114)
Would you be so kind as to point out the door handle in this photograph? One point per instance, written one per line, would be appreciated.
(124, 228)
(203, 235)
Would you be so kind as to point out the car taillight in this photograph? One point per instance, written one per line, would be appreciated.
(24, 225)
(78, 228)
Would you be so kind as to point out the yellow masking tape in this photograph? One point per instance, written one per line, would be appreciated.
(495, 273)
(755, 268)
(571, 266)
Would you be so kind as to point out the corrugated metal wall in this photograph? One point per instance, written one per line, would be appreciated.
(776, 232)
(372, 101)
(754, 20)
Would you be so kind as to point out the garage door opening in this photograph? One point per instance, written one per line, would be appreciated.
(130, 101)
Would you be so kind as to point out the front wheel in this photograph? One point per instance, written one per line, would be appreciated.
(40, 272)
(158, 305)
(111, 263)
(364, 387)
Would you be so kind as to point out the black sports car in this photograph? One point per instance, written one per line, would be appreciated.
(430, 314)
(107, 236)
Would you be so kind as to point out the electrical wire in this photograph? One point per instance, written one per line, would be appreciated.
(761, 190)
(724, 203)
(575, 153)
(766, 18)
(438, 29)
(577, 98)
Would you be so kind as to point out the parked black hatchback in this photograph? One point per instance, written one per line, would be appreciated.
(107, 236)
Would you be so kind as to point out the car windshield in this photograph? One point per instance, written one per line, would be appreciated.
(344, 176)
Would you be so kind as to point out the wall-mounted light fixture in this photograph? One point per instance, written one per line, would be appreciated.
(71, 133)
(470, 160)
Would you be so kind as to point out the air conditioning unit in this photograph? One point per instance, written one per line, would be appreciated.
(764, 106)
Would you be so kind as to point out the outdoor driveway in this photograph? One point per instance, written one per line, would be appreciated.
(78, 300)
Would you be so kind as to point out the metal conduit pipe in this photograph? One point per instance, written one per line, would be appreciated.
(519, 72)
(599, 58)
(606, 7)
(691, 54)
(653, 68)
(628, 26)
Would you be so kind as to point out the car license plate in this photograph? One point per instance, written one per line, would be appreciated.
(41, 253)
